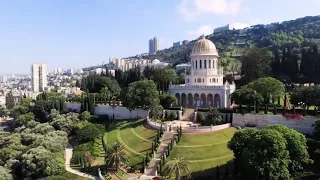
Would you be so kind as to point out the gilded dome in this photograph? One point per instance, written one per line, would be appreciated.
(204, 47)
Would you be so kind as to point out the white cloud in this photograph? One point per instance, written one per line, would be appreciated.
(190, 9)
(205, 29)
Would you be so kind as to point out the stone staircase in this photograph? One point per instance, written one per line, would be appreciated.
(187, 114)
(151, 170)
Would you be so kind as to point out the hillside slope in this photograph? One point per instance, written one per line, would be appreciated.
(302, 32)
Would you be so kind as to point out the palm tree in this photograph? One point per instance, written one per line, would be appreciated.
(115, 155)
(179, 166)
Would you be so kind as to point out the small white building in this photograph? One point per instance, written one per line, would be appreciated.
(204, 86)
(155, 64)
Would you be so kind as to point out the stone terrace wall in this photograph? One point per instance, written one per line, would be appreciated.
(120, 112)
(202, 129)
(261, 121)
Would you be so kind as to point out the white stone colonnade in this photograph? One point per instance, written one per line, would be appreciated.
(192, 100)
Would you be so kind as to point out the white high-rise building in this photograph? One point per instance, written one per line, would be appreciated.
(3, 79)
(39, 77)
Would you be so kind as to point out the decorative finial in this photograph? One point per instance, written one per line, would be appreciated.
(203, 36)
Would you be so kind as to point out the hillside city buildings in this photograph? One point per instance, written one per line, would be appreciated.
(204, 85)
(39, 77)
(153, 45)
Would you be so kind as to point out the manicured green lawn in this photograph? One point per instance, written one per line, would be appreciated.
(136, 138)
(205, 151)
(121, 174)
(65, 176)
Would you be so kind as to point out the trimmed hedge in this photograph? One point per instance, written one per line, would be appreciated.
(224, 110)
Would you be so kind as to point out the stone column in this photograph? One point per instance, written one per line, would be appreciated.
(195, 116)
(163, 114)
(180, 115)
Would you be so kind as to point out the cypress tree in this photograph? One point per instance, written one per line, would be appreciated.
(276, 65)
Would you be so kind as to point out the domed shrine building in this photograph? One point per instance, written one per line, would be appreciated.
(204, 85)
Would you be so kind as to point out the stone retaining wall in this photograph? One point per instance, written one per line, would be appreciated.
(264, 120)
(202, 129)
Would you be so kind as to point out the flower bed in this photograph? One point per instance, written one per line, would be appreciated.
(293, 116)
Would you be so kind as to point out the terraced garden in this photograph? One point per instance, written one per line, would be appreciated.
(136, 138)
(205, 151)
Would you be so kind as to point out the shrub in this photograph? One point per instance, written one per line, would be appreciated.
(173, 115)
(200, 117)
(90, 132)
(214, 117)
(95, 151)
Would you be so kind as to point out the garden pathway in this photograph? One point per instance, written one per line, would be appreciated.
(165, 140)
(69, 150)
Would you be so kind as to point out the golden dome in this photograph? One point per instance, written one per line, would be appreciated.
(204, 47)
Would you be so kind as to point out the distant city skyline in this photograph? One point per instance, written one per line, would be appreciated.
(77, 33)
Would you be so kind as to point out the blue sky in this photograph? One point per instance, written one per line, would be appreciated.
(76, 33)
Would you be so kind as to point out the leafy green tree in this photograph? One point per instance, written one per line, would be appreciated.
(116, 155)
(89, 132)
(260, 154)
(177, 166)
(16, 111)
(26, 102)
(173, 116)
(25, 118)
(166, 100)
(246, 96)
(34, 161)
(85, 116)
(140, 94)
(3, 112)
(5, 173)
(256, 63)
(55, 141)
(297, 147)
(267, 88)
(156, 112)
(213, 117)
(200, 117)
(54, 166)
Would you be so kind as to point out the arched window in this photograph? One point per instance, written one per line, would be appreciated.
(214, 80)
(209, 64)
(203, 80)
(205, 64)
(200, 64)
(196, 64)
(188, 80)
(195, 80)
(199, 80)
(192, 64)
(210, 80)
(217, 80)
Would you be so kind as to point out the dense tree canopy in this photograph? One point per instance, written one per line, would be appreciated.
(296, 146)
(272, 153)
(267, 88)
(309, 95)
(260, 154)
(166, 100)
(256, 63)
(141, 94)
(246, 96)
